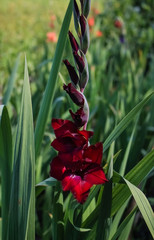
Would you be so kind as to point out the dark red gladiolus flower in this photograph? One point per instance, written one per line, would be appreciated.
(68, 137)
(80, 175)
(76, 96)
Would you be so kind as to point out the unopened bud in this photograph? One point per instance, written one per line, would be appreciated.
(72, 72)
(76, 14)
(84, 76)
(85, 39)
(73, 42)
(79, 61)
(80, 117)
(86, 7)
(76, 96)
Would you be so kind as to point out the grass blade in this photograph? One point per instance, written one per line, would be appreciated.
(49, 182)
(11, 81)
(143, 206)
(136, 175)
(22, 209)
(50, 88)
(104, 213)
(124, 224)
(5, 165)
(125, 122)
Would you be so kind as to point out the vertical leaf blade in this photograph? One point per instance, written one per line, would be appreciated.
(143, 205)
(125, 122)
(11, 81)
(22, 190)
(5, 165)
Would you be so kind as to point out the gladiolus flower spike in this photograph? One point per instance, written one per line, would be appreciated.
(78, 164)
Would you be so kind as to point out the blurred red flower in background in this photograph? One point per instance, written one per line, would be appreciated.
(91, 21)
(53, 18)
(99, 33)
(118, 23)
(96, 11)
(51, 37)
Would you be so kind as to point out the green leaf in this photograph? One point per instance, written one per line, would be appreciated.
(21, 224)
(136, 175)
(117, 219)
(104, 213)
(5, 165)
(125, 122)
(125, 158)
(124, 224)
(50, 88)
(11, 81)
(71, 212)
(143, 206)
(58, 225)
(49, 182)
(142, 203)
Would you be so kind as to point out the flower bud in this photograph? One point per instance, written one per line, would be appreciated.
(73, 42)
(85, 39)
(80, 117)
(84, 76)
(76, 96)
(72, 72)
(86, 7)
(76, 14)
(79, 61)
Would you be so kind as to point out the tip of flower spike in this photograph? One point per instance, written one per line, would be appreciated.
(76, 9)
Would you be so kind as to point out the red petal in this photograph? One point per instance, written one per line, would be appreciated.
(66, 128)
(63, 144)
(79, 188)
(86, 134)
(57, 123)
(94, 152)
(95, 176)
(69, 157)
(57, 168)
